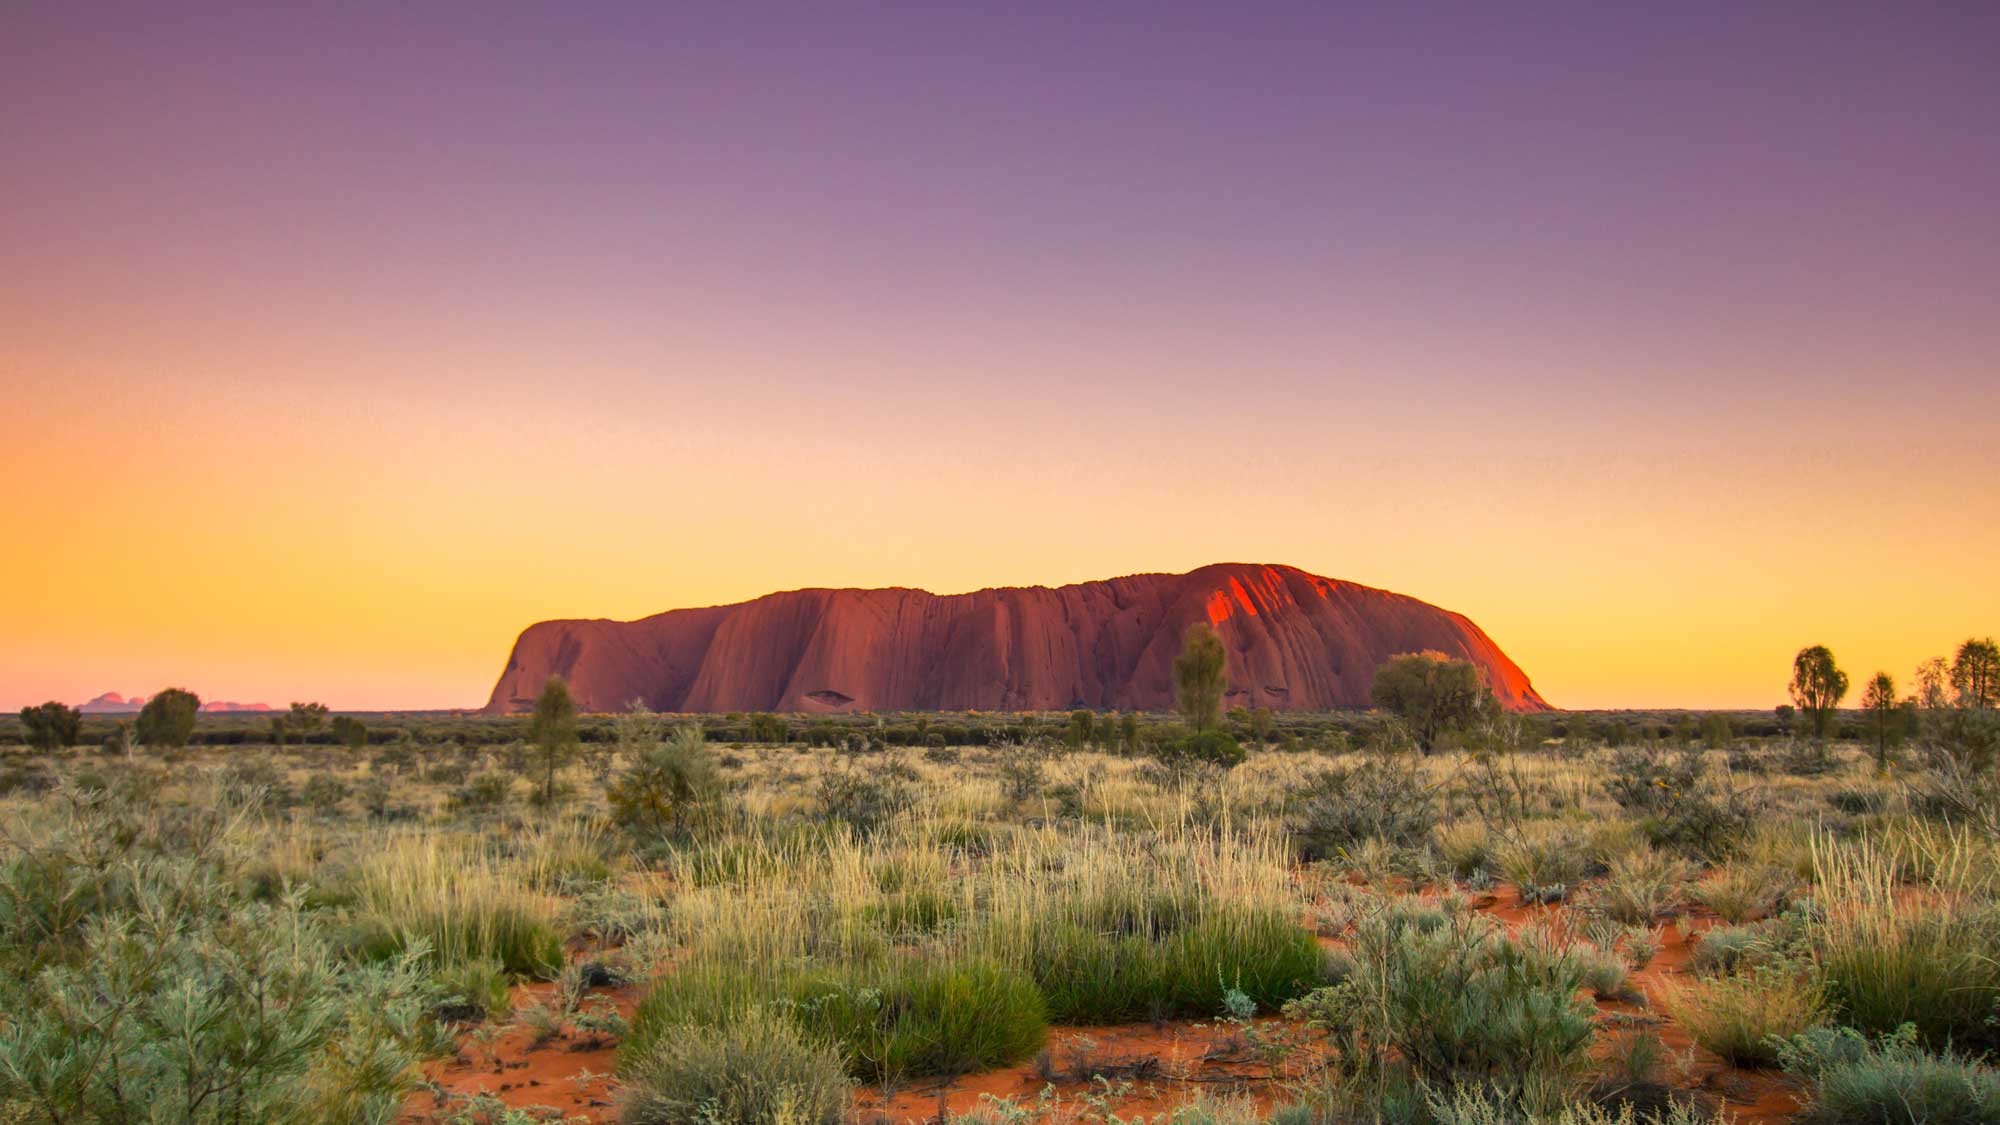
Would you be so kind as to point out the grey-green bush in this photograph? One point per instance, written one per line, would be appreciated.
(1890, 1081)
(758, 1070)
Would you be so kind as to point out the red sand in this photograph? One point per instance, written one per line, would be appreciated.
(570, 1073)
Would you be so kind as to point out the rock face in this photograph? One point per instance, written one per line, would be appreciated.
(1295, 641)
(111, 703)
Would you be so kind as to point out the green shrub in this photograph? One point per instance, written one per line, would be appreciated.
(1458, 1003)
(1740, 892)
(1468, 1106)
(916, 911)
(1604, 972)
(1212, 747)
(472, 991)
(671, 787)
(230, 1011)
(485, 791)
(51, 726)
(323, 793)
(1680, 806)
(759, 1069)
(1641, 886)
(350, 731)
(1889, 957)
(865, 800)
(1113, 962)
(455, 906)
(1375, 800)
(1742, 1018)
(891, 1020)
(1891, 1081)
(167, 720)
(914, 1018)
(1725, 949)
(1544, 866)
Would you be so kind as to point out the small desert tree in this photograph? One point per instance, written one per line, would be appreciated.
(1431, 692)
(553, 733)
(1201, 676)
(1933, 679)
(1878, 698)
(1818, 686)
(1260, 725)
(52, 726)
(350, 732)
(167, 719)
(1082, 729)
(1975, 673)
(307, 718)
(670, 786)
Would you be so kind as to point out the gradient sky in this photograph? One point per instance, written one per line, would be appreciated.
(339, 342)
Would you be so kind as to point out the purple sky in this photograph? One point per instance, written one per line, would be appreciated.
(1773, 168)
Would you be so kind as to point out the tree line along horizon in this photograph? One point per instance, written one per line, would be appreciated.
(1428, 695)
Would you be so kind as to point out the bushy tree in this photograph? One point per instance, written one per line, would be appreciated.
(670, 786)
(1201, 677)
(552, 731)
(1212, 747)
(1933, 680)
(1818, 686)
(1431, 692)
(307, 718)
(1975, 673)
(350, 732)
(1260, 725)
(52, 726)
(1128, 733)
(1082, 729)
(1717, 729)
(167, 719)
(1879, 700)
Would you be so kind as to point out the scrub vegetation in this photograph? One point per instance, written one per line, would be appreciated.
(1453, 916)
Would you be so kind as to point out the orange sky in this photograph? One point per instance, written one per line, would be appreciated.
(378, 544)
(335, 350)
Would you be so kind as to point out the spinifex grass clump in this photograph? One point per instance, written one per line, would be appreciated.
(1113, 931)
(1892, 954)
(1742, 1017)
(758, 1069)
(1744, 892)
(460, 903)
(912, 1017)
(900, 1018)
(916, 956)
(1640, 886)
(1098, 964)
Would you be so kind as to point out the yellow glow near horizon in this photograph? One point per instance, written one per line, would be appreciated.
(379, 548)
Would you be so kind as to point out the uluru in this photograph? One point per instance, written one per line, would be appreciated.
(1296, 641)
